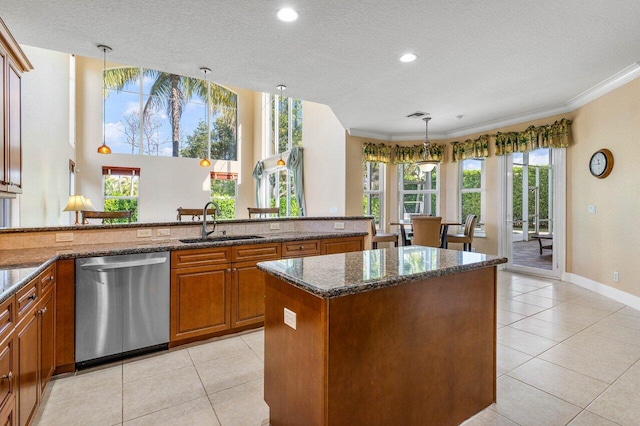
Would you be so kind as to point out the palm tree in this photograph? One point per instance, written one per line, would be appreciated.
(172, 92)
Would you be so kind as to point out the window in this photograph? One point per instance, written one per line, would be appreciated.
(472, 190)
(120, 188)
(155, 113)
(5, 212)
(224, 189)
(373, 185)
(286, 124)
(281, 192)
(417, 191)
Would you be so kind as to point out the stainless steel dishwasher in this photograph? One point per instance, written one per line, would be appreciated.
(122, 306)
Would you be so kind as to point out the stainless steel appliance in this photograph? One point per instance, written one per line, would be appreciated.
(122, 306)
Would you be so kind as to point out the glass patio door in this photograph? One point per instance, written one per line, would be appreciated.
(529, 237)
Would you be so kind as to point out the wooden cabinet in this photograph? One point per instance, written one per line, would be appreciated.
(65, 316)
(247, 297)
(13, 63)
(7, 370)
(8, 413)
(47, 331)
(28, 365)
(301, 248)
(342, 245)
(200, 293)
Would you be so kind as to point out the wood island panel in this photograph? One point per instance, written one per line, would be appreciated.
(416, 353)
(65, 339)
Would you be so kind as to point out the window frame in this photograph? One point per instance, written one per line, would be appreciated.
(479, 229)
(272, 142)
(225, 176)
(425, 192)
(369, 193)
(130, 172)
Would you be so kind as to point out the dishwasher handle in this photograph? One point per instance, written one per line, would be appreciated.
(119, 265)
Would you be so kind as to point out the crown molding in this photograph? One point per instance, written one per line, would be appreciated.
(615, 81)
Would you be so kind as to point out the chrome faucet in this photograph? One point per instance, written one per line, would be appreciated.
(216, 212)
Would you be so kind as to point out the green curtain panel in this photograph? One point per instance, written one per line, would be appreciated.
(294, 164)
(411, 154)
(258, 171)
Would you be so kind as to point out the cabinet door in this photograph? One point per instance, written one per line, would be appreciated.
(47, 337)
(8, 413)
(248, 295)
(200, 300)
(27, 384)
(15, 132)
(7, 370)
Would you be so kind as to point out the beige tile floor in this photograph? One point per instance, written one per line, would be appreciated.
(565, 356)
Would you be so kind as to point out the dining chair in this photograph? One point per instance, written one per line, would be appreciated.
(107, 217)
(196, 214)
(426, 230)
(263, 211)
(377, 237)
(466, 238)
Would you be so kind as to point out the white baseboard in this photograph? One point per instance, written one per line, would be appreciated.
(603, 289)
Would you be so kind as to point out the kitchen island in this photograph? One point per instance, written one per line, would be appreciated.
(395, 336)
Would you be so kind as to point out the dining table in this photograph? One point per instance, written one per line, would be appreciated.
(444, 229)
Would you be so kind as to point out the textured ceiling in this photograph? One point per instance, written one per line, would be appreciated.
(492, 62)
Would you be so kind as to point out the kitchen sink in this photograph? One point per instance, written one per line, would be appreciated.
(221, 238)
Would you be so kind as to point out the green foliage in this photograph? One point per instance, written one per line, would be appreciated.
(543, 190)
(223, 192)
(223, 141)
(119, 205)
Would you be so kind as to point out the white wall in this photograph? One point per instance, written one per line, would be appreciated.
(323, 140)
(46, 150)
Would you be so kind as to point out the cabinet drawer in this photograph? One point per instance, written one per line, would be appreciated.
(255, 252)
(46, 279)
(200, 257)
(7, 317)
(26, 298)
(301, 248)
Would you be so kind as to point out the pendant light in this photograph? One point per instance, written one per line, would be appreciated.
(280, 162)
(430, 158)
(104, 149)
(205, 162)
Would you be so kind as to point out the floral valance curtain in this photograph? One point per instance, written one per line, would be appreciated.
(379, 153)
(478, 148)
(411, 154)
(556, 135)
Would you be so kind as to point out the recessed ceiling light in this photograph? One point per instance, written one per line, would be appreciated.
(408, 57)
(286, 14)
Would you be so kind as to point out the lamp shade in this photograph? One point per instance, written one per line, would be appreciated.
(77, 203)
(426, 167)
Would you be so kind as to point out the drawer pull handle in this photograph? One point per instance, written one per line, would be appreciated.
(51, 278)
(9, 377)
(301, 248)
(42, 311)
(33, 297)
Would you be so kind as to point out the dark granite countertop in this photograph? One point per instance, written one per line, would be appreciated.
(337, 275)
(17, 267)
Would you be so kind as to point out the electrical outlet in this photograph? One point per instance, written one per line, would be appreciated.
(338, 225)
(164, 232)
(143, 233)
(274, 225)
(63, 238)
(616, 276)
(592, 209)
(290, 318)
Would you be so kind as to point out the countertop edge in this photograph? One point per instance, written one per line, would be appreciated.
(379, 283)
(152, 248)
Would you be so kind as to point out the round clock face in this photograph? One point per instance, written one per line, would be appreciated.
(601, 163)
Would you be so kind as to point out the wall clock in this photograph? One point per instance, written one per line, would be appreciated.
(601, 163)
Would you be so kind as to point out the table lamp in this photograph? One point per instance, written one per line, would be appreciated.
(77, 203)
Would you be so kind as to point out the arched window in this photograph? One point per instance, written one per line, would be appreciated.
(151, 112)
